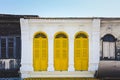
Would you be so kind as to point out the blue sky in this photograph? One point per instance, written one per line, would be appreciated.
(62, 8)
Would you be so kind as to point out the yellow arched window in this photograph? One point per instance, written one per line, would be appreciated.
(61, 52)
(81, 51)
(40, 52)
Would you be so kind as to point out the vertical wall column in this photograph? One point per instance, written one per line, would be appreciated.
(71, 53)
(50, 52)
(26, 53)
(95, 45)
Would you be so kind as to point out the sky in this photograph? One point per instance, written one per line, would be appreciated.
(62, 8)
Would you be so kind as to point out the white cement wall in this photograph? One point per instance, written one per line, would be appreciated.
(50, 26)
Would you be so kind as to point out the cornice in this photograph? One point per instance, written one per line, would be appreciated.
(59, 20)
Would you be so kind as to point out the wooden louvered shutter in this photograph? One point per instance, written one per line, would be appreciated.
(84, 54)
(78, 52)
(40, 59)
(36, 53)
(81, 54)
(44, 54)
(57, 54)
(61, 54)
(64, 56)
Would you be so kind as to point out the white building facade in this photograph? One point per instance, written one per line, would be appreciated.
(52, 26)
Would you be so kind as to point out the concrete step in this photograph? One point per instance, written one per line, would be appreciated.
(61, 79)
(61, 74)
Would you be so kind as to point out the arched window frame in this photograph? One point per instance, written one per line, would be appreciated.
(85, 36)
(81, 32)
(104, 39)
(40, 32)
(60, 33)
(66, 36)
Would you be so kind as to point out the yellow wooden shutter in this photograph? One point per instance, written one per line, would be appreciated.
(81, 54)
(77, 55)
(64, 54)
(57, 54)
(36, 55)
(85, 54)
(40, 59)
(61, 54)
(44, 54)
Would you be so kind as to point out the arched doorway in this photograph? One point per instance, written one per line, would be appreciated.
(61, 52)
(40, 52)
(81, 51)
(108, 47)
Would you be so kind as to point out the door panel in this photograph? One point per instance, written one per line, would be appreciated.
(40, 58)
(57, 54)
(61, 54)
(36, 57)
(81, 54)
(64, 53)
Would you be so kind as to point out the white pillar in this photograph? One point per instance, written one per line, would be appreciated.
(71, 53)
(50, 52)
(26, 53)
(95, 45)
